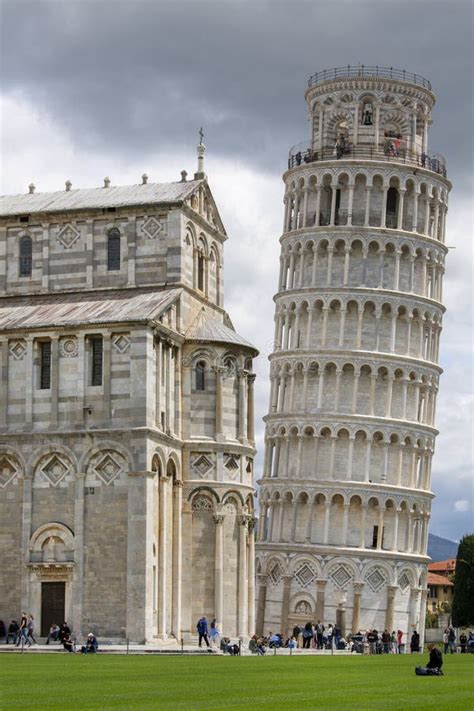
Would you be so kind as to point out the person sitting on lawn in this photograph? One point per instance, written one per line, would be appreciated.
(64, 631)
(91, 646)
(435, 663)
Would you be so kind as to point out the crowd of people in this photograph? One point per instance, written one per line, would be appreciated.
(22, 634)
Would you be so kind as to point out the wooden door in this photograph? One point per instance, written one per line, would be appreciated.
(52, 605)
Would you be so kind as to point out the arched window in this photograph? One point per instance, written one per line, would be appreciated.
(200, 375)
(200, 279)
(113, 250)
(392, 207)
(26, 256)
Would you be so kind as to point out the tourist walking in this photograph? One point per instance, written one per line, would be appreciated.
(202, 630)
(446, 640)
(23, 631)
(400, 641)
(31, 628)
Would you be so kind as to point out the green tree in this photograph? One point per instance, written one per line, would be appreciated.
(463, 601)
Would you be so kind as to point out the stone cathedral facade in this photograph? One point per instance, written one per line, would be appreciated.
(346, 489)
(126, 414)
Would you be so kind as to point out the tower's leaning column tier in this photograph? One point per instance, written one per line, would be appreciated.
(354, 373)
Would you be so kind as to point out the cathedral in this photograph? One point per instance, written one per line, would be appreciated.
(126, 414)
(345, 495)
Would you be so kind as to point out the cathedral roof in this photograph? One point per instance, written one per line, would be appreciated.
(206, 328)
(96, 198)
(75, 309)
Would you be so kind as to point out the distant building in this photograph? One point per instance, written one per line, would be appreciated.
(443, 567)
(126, 414)
(440, 591)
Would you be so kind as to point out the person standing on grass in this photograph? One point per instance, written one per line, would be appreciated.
(399, 641)
(415, 642)
(320, 634)
(446, 640)
(296, 633)
(452, 640)
(202, 631)
(463, 642)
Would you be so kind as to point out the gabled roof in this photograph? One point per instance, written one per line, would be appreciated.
(434, 579)
(205, 328)
(75, 309)
(96, 198)
(443, 565)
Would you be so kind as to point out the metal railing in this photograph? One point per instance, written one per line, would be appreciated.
(389, 151)
(363, 70)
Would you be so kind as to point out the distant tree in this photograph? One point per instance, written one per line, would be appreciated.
(463, 601)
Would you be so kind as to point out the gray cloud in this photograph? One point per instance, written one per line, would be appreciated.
(133, 75)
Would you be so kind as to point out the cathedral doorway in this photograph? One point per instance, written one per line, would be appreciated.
(52, 605)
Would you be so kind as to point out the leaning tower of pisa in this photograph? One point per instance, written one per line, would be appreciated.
(345, 494)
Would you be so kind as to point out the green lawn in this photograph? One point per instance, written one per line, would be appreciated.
(57, 681)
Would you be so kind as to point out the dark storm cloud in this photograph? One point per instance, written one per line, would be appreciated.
(128, 77)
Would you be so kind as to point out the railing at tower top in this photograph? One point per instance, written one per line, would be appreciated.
(392, 150)
(352, 72)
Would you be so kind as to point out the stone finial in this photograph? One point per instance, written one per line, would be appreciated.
(31, 188)
(144, 179)
(201, 149)
(68, 185)
(184, 175)
(106, 182)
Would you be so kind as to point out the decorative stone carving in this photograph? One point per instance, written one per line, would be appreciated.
(341, 576)
(8, 470)
(108, 467)
(303, 608)
(404, 582)
(305, 575)
(121, 343)
(152, 227)
(202, 465)
(275, 573)
(18, 349)
(68, 236)
(68, 347)
(232, 466)
(55, 468)
(203, 504)
(376, 579)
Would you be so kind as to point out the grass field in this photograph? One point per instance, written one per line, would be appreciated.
(56, 681)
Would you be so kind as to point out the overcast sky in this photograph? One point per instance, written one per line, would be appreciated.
(93, 88)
